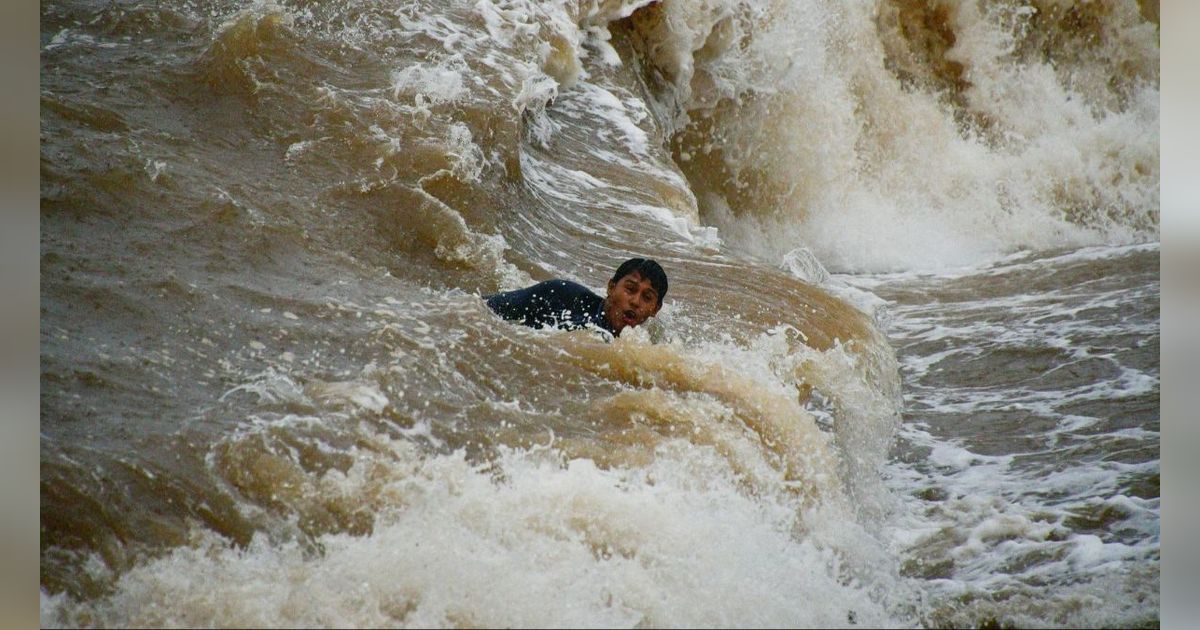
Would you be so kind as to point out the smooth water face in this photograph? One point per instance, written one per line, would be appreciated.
(906, 373)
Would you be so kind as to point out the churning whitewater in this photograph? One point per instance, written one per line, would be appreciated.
(906, 374)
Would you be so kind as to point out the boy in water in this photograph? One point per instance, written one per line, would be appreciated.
(635, 293)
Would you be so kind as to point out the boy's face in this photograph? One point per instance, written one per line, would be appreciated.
(631, 301)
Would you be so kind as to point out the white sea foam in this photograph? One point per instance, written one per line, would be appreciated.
(1049, 508)
(607, 105)
(547, 543)
(700, 236)
(435, 84)
(873, 175)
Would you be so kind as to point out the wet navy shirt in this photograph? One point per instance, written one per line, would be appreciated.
(553, 303)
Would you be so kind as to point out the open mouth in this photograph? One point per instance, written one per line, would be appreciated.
(630, 317)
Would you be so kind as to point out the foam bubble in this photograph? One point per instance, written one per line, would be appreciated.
(435, 84)
(544, 543)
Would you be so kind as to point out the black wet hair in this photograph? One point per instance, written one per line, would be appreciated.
(649, 270)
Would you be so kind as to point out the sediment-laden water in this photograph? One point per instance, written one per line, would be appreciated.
(906, 373)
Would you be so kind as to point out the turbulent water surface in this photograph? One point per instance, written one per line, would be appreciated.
(906, 373)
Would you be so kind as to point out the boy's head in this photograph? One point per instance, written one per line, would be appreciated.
(635, 293)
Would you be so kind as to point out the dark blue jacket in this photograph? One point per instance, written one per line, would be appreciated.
(551, 304)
